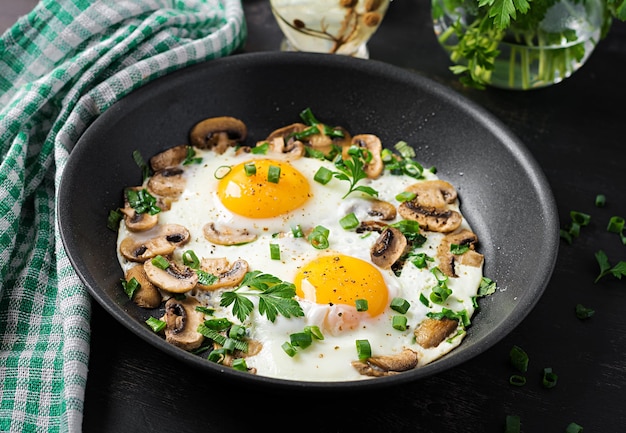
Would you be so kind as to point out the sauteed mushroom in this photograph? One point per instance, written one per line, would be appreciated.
(430, 207)
(228, 275)
(175, 278)
(382, 210)
(147, 295)
(389, 247)
(161, 240)
(169, 158)
(372, 143)
(168, 182)
(386, 365)
(448, 260)
(137, 222)
(431, 332)
(182, 321)
(227, 235)
(218, 133)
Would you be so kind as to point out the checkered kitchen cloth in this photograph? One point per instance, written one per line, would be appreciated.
(61, 66)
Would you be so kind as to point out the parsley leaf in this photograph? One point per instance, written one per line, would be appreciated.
(618, 271)
(351, 170)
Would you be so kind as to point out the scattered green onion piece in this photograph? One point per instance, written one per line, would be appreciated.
(386, 155)
(549, 378)
(190, 157)
(519, 359)
(205, 278)
(363, 349)
(274, 251)
(400, 305)
(583, 312)
(218, 324)
(273, 173)
(315, 332)
(323, 175)
(440, 294)
(600, 200)
(222, 171)
(205, 310)
(301, 339)
(459, 249)
(217, 355)
(160, 262)
(433, 169)
(399, 323)
(574, 428)
(237, 332)
(319, 237)
(114, 219)
(308, 117)
(249, 168)
(420, 260)
(405, 196)
(517, 380)
(424, 300)
(260, 149)
(349, 221)
(306, 133)
(229, 345)
(580, 218)
(404, 149)
(297, 231)
(141, 163)
(157, 325)
(191, 259)
(239, 364)
(616, 224)
(487, 287)
(412, 168)
(361, 305)
(289, 349)
(513, 424)
(130, 287)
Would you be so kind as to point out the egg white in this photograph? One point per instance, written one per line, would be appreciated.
(329, 359)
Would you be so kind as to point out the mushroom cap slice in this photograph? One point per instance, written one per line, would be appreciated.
(182, 321)
(227, 235)
(447, 259)
(169, 158)
(168, 182)
(431, 332)
(431, 206)
(382, 210)
(218, 133)
(228, 275)
(386, 365)
(147, 295)
(388, 248)
(159, 241)
(372, 143)
(174, 279)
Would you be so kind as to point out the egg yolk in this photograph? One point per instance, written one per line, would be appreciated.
(258, 192)
(340, 279)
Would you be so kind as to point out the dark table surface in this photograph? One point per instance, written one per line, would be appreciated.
(575, 131)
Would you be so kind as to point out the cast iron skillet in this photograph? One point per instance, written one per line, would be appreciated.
(503, 192)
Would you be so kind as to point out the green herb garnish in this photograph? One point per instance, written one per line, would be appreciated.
(618, 271)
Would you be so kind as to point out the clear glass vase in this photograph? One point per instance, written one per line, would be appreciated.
(530, 53)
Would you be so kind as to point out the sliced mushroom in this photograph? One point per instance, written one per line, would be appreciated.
(162, 240)
(386, 365)
(147, 295)
(431, 332)
(175, 278)
(371, 226)
(382, 210)
(218, 133)
(169, 158)
(388, 248)
(282, 140)
(372, 143)
(447, 259)
(227, 235)
(182, 321)
(168, 182)
(430, 207)
(228, 275)
(137, 222)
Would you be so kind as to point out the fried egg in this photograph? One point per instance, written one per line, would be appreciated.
(275, 200)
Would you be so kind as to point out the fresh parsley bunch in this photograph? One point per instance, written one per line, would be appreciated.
(476, 49)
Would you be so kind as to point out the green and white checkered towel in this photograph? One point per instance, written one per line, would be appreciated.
(61, 66)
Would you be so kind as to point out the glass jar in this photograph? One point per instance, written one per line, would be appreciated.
(533, 52)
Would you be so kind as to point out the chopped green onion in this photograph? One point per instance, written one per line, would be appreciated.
(349, 221)
(218, 324)
(574, 428)
(141, 163)
(616, 224)
(513, 424)
(205, 278)
(239, 364)
(157, 325)
(319, 237)
(229, 345)
(191, 259)
(142, 201)
(420, 260)
(222, 171)
(315, 332)
(361, 305)
(400, 305)
(549, 378)
(404, 149)
(130, 287)
(519, 358)
(273, 173)
(237, 332)
(583, 312)
(249, 168)
(190, 157)
(323, 175)
(274, 251)
(114, 218)
(517, 380)
(399, 323)
(160, 262)
(405, 196)
(297, 231)
(217, 355)
(301, 339)
(260, 149)
(459, 249)
(424, 300)
(308, 117)
(600, 200)
(363, 349)
(386, 155)
(205, 310)
(487, 287)
(289, 349)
